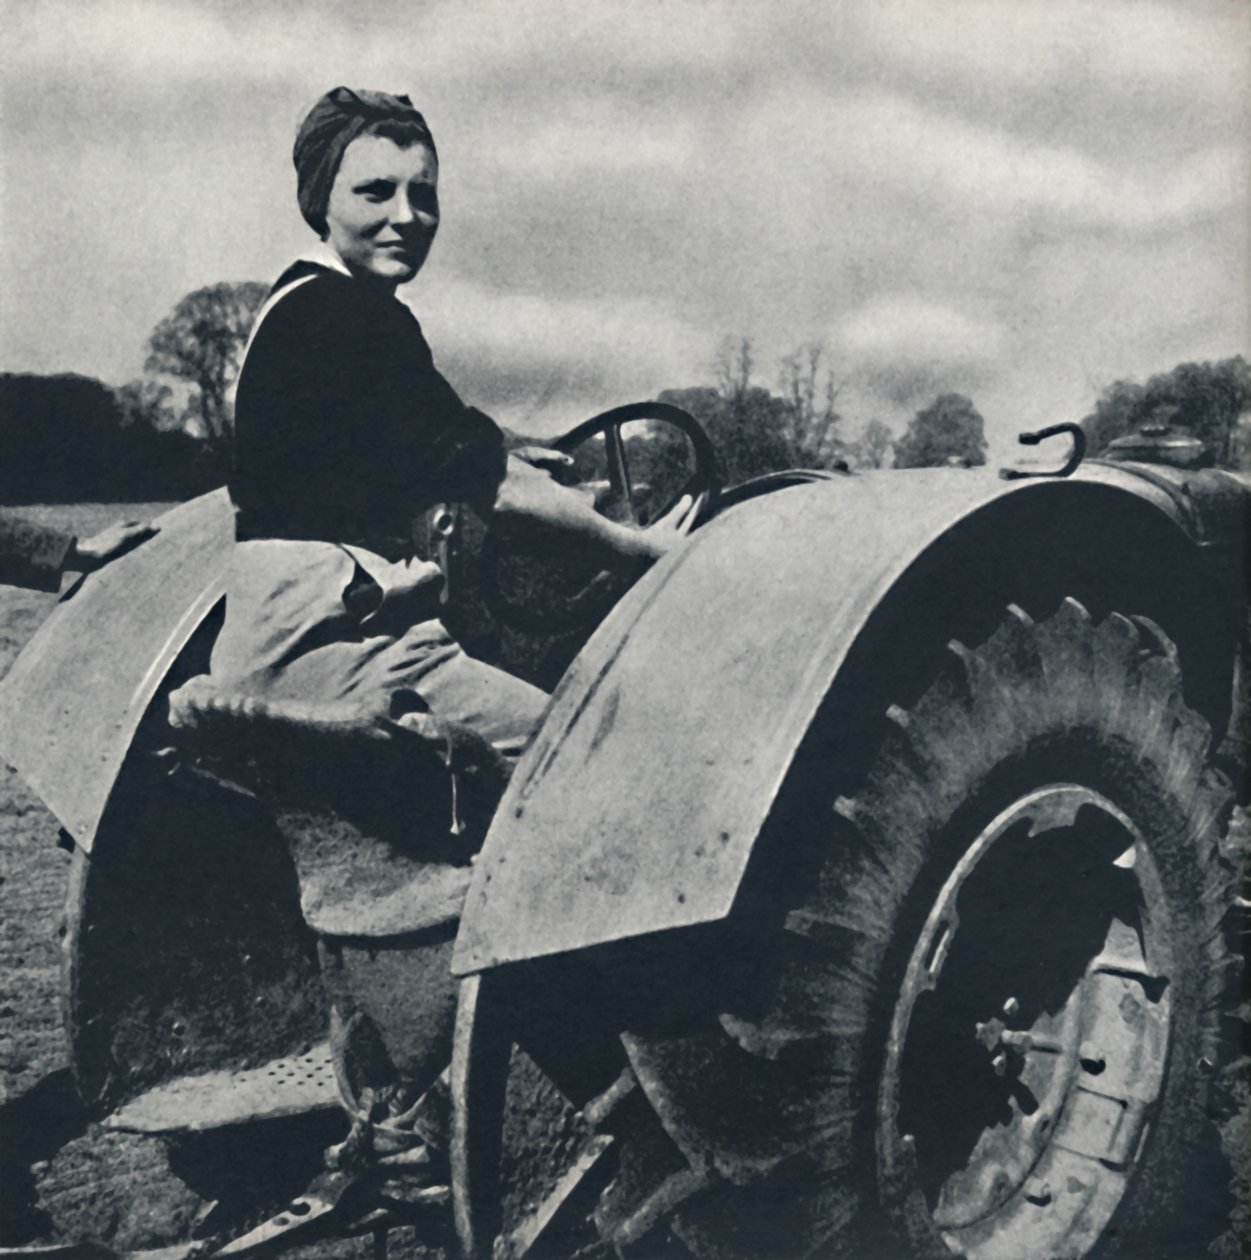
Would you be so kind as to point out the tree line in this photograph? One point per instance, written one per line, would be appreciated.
(798, 424)
(166, 435)
(69, 438)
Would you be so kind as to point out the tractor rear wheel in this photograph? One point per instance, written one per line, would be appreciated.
(974, 1007)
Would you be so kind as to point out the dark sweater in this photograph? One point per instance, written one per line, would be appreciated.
(344, 429)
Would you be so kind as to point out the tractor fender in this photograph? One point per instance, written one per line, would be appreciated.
(74, 698)
(637, 806)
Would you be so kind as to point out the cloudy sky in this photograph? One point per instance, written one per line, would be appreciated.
(1020, 200)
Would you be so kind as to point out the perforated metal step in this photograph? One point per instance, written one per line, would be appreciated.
(216, 1100)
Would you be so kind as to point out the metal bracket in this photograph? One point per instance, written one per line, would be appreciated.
(1076, 455)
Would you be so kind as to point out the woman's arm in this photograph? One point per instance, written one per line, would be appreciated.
(529, 492)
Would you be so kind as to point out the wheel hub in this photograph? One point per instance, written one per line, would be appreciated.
(1030, 1039)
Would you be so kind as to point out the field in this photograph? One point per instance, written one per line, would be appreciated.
(60, 1177)
(34, 868)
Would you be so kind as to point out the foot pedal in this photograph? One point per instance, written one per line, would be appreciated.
(290, 1086)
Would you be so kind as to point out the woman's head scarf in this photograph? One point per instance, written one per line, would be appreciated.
(332, 124)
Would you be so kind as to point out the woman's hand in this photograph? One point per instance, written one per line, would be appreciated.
(544, 457)
(89, 554)
(531, 493)
(666, 531)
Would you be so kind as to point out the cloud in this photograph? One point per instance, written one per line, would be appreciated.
(963, 194)
(548, 360)
(907, 328)
(559, 88)
(144, 41)
(906, 348)
(169, 41)
(1029, 45)
(938, 156)
(1038, 45)
(603, 135)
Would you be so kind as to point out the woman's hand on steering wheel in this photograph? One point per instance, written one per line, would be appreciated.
(615, 547)
(546, 458)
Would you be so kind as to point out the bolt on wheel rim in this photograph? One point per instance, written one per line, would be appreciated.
(1029, 1042)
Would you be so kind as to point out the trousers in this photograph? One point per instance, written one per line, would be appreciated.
(316, 621)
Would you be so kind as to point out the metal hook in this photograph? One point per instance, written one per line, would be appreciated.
(1076, 455)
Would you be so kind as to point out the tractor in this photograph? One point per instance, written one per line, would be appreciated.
(864, 892)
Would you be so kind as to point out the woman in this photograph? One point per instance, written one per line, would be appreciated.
(345, 431)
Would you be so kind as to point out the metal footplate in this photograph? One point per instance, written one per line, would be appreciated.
(290, 1086)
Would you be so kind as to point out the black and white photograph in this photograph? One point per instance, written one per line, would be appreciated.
(625, 629)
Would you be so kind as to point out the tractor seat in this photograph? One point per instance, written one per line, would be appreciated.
(381, 816)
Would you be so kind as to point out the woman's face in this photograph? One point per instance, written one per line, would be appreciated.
(384, 209)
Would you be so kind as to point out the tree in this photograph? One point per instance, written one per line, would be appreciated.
(748, 425)
(733, 367)
(202, 341)
(874, 446)
(70, 438)
(1206, 399)
(950, 430)
(748, 429)
(814, 419)
(1241, 444)
(1118, 411)
(147, 401)
(755, 430)
(58, 436)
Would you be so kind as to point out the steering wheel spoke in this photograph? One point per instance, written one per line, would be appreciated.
(619, 473)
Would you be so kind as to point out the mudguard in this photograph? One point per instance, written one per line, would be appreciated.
(71, 704)
(637, 806)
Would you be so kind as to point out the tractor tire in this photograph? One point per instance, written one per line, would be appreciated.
(974, 1008)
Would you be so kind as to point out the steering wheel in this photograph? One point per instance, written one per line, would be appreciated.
(704, 478)
(534, 594)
